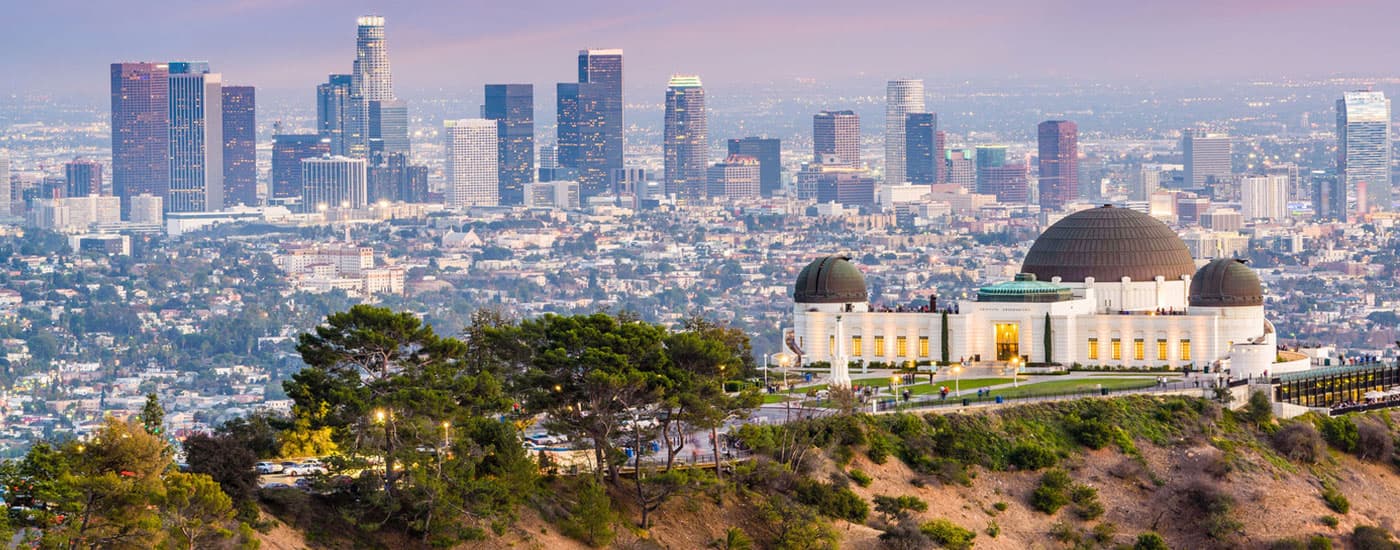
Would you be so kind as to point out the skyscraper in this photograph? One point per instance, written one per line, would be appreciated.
(1207, 158)
(590, 133)
(240, 142)
(901, 98)
(375, 122)
(1264, 197)
(923, 151)
(371, 79)
(332, 182)
(686, 140)
(512, 106)
(388, 129)
(470, 170)
(1363, 149)
(769, 152)
(288, 150)
(836, 133)
(196, 139)
(82, 176)
(333, 108)
(960, 169)
(6, 190)
(735, 178)
(1009, 182)
(1329, 196)
(140, 130)
(1059, 163)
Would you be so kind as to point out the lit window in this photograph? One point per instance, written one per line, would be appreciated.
(856, 348)
(1185, 350)
(879, 346)
(1162, 349)
(1094, 349)
(901, 346)
(1116, 347)
(1138, 352)
(923, 346)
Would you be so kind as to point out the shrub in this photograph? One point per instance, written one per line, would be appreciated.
(861, 478)
(1288, 544)
(1216, 508)
(832, 501)
(1319, 542)
(1366, 537)
(1063, 532)
(1373, 441)
(898, 507)
(1260, 409)
(948, 535)
(1331, 521)
(1339, 433)
(1086, 501)
(1335, 500)
(880, 447)
(1094, 433)
(797, 526)
(1000, 505)
(592, 517)
(734, 539)
(1053, 492)
(1031, 456)
(1104, 533)
(1150, 541)
(993, 529)
(906, 535)
(1298, 441)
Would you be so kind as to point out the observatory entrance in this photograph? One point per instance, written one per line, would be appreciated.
(1008, 338)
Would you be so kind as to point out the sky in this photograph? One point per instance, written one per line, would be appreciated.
(65, 46)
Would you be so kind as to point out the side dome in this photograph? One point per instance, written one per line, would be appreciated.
(1108, 244)
(1226, 283)
(830, 280)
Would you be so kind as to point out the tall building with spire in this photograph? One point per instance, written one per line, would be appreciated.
(901, 98)
(374, 124)
(1059, 163)
(685, 140)
(1363, 149)
(590, 122)
(140, 130)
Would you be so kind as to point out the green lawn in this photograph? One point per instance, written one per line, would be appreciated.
(1065, 386)
(774, 398)
(964, 385)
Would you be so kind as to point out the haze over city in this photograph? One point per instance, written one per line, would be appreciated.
(816, 275)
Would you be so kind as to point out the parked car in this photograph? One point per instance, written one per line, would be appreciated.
(268, 468)
(277, 485)
(305, 469)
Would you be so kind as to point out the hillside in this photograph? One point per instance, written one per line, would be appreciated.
(1201, 476)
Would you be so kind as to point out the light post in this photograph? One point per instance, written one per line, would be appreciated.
(957, 380)
(1015, 372)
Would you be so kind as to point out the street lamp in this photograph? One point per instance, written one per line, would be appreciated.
(1015, 372)
(957, 380)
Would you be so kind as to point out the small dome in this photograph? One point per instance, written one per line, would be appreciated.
(830, 280)
(1226, 282)
(1108, 244)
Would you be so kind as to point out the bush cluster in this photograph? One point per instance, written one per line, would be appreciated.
(948, 534)
(832, 501)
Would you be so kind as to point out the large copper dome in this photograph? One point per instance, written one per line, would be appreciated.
(1226, 283)
(1108, 244)
(830, 280)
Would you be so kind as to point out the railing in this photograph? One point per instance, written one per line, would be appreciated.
(1363, 407)
(934, 401)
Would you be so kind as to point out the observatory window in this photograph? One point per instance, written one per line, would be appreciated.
(1185, 350)
(857, 349)
(1094, 349)
(901, 346)
(879, 346)
(1116, 348)
(923, 346)
(1139, 353)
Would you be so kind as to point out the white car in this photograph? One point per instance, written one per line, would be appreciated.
(305, 469)
(268, 468)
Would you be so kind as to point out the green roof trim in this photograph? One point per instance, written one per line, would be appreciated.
(1024, 289)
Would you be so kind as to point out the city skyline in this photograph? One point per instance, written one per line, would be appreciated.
(227, 33)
